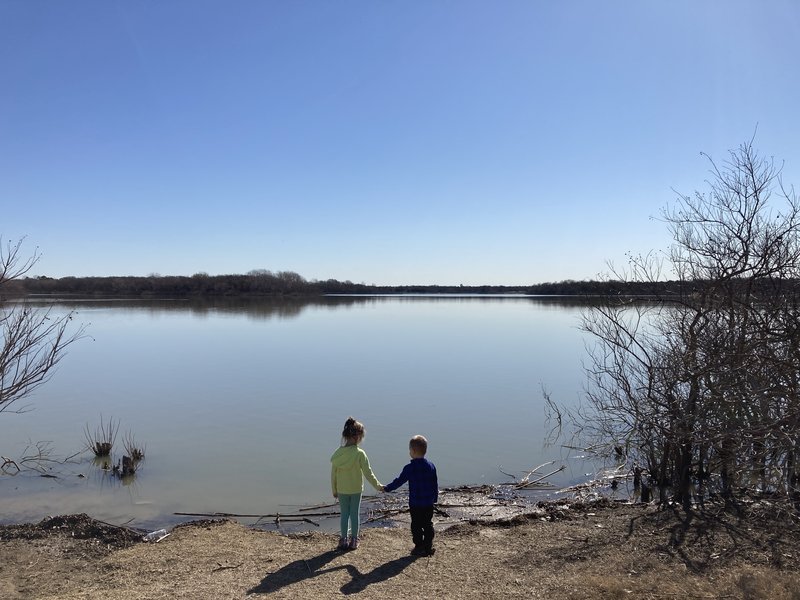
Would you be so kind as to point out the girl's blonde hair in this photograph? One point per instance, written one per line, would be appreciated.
(353, 429)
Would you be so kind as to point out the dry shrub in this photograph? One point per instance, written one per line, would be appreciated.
(101, 441)
(132, 448)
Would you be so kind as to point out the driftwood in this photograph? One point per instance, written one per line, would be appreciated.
(525, 481)
(290, 519)
(223, 515)
(532, 471)
(278, 517)
(467, 502)
(527, 484)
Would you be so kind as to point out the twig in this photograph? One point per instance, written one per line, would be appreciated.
(78, 453)
(292, 519)
(525, 479)
(134, 530)
(318, 506)
(500, 468)
(6, 462)
(223, 567)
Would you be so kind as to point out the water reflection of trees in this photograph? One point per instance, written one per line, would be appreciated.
(255, 308)
(265, 308)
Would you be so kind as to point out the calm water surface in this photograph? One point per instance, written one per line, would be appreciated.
(240, 404)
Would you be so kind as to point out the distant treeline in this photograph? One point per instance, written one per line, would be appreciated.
(288, 283)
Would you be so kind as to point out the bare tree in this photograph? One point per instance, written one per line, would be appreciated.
(700, 386)
(34, 340)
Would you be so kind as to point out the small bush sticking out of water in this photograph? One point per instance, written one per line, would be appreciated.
(102, 439)
(101, 442)
(134, 450)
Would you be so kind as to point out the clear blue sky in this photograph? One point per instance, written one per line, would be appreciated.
(503, 142)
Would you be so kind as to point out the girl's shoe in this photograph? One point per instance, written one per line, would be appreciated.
(353, 543)
(343, 545)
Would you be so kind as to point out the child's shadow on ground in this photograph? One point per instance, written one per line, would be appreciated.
(360, 581)
(300, 570)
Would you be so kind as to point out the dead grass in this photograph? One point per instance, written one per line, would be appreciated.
(586, 551)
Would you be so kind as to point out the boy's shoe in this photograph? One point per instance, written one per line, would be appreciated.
(353, 543)
(429, 551)
(418, 551)
(343, 545)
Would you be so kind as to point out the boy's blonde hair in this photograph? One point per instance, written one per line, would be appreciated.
(419, 443)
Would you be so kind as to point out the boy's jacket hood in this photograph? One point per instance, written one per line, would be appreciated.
(345, 456)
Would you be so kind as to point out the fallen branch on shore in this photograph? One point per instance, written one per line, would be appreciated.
(527, 484)
(225, 515)
(279, 520)
(525, 481)
(456, 504)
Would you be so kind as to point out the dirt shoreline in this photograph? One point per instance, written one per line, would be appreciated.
(603, 549)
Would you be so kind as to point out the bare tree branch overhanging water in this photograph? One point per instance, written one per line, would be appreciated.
(34, 339)
(699, 385)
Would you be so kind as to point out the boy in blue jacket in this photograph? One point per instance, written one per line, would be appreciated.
(423, 492)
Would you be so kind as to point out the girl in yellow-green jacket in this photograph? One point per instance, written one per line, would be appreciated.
(349, 465)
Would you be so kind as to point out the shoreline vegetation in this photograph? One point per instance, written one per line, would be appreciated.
(288, 283)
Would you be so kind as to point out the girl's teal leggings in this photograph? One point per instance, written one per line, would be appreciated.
(350, 505)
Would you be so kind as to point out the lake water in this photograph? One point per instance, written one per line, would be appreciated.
(240, 403)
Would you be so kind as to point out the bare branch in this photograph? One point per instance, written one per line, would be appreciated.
(34, 340)
(703, 386)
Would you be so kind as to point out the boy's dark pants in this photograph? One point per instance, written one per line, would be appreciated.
(422, 526)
